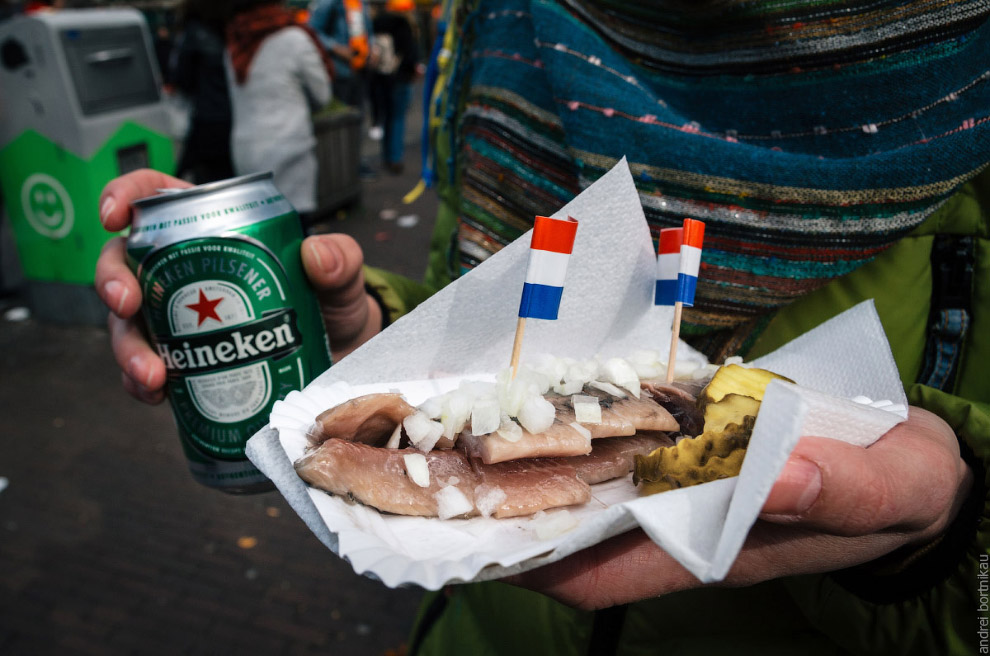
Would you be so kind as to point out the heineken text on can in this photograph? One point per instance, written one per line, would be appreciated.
(229, 311)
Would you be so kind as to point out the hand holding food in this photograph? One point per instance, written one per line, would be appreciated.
(835, 505)
(822, 514)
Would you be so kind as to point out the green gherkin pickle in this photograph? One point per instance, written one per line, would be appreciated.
(229, 310)
(731, 402)
(693, 460)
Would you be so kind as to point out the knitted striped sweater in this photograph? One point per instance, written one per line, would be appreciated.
(808, 135)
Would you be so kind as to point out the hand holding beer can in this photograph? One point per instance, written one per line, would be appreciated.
(228, 308)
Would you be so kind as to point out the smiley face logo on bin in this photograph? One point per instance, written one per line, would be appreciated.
(47, 206)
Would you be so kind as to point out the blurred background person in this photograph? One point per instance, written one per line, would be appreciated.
(344, 29)
(196, 71)
(163, 42)
(393, 71)
(279, 75)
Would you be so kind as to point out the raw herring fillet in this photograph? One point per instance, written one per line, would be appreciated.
(613, 457)
(369, 419)
(377, 477)
(620, 417)
(681, 400)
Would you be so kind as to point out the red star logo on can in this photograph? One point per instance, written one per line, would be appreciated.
(206, 308)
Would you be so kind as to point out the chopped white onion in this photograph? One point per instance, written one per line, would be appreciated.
(485, 416)
(531, 380)
(619, 372)
(569, 388)
(432, 407)
(647, 364)
(488, 498)
(477, 389)
(393, 442)
(587, 409)
(734, 359)
(585, 433)
(584, 371)
(423, 432)
(455, 414)
(512, 392)
(509, 430)
(451, 502)
(608, 388)
(649, 372)
(551, 367)
(541, 381)
(416, 467)
(536, 414)
(549, 525)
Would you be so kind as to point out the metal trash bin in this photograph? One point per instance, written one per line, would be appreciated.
(80, 105)
(338, 153)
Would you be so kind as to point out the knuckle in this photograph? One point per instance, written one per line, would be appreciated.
(875, 508)
(918, 499)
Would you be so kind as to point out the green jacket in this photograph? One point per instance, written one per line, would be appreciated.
(925, 602)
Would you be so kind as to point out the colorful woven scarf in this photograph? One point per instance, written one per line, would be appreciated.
(249, 29)
(808, 135)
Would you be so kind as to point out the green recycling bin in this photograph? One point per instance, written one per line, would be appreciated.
(81, 104)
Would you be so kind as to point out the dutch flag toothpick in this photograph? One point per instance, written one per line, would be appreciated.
(668, 264)
(678, 265)
(549, 250)
(687, 274)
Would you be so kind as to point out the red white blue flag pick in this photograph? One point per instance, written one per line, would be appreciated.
(687, 273)
(668, 265)
(678, 290)
(550, 248)
(678, 263)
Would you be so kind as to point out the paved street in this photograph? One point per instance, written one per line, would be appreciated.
(107, 546)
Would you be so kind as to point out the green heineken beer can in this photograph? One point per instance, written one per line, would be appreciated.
(229, 310)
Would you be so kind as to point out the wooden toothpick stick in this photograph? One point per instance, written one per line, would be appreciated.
(517, 345)
(675, 332)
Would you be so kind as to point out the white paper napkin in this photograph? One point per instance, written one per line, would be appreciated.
(466, 331)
